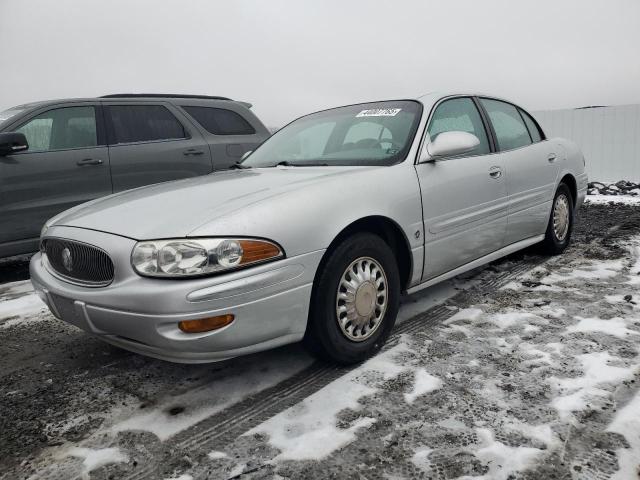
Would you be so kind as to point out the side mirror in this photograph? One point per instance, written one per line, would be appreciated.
(12, 142)
(448, 144)
(245, 155)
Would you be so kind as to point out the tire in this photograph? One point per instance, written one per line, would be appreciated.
(554, 242)
(331, 334)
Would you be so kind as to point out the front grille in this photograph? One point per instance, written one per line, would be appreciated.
(79, 262)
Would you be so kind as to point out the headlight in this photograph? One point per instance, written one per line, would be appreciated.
(200, 256)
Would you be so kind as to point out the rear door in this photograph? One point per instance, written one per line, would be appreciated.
(152, 142)
(67, 163)
(463, 197)
(531, 168)
(228, 133)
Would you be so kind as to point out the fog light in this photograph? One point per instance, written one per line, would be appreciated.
(205, 324)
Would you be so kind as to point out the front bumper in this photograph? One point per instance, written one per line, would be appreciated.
(270, 303)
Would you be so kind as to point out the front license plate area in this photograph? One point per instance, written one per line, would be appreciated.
(67, 310)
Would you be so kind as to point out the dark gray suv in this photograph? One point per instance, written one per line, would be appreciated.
(56, 154)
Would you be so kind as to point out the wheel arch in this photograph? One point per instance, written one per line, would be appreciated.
(570, 181)
(389, 231)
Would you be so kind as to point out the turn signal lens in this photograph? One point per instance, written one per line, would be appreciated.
(206, 324)
(256, 251)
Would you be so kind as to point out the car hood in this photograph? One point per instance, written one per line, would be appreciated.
(174, 209)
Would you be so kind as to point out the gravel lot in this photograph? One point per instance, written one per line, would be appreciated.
(528, 368)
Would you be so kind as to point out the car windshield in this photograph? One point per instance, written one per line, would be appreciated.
(377, 133)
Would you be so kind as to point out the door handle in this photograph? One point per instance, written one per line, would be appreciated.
(552, 157)
(495, 172)
(193, 151)
(89, 161)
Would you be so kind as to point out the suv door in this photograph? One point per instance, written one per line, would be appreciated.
(463, 197)
(532, 168)
(67, 163)
(151, 143)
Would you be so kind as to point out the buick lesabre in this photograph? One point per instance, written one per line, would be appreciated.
(316, 234)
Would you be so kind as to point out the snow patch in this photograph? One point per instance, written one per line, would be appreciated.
(614, 326)
(420, 458)
(215, 455)
(577, 392)
(510, 318)
(469, 314)
(19, 307)
(423, 383)
(211, 398)
(503, 461)
(308, 430)
(627, 424)
(184, 476)
(596, 270)
(93, 459)
(607, 199)
(634, 271)
(538, 355)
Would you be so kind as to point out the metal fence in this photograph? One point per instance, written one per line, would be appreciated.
(608, 136)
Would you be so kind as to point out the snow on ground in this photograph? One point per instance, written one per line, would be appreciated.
(606, 199)
(518, 382)
(92, 459)
(627, 424)
(17, 302)
(575, 393)
(539, 378)
(423, 382)
(179, 412)
(309, 430)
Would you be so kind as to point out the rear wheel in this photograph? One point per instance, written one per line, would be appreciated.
(355, 300)
(560, 226)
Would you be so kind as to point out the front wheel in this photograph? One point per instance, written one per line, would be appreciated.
(560, 223)
(355, 300)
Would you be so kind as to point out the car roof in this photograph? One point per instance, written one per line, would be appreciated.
(430, 98)
(181, 99)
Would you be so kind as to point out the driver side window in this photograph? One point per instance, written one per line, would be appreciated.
(61, 129)
(459, 115)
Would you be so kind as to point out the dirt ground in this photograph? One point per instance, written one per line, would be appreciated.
(528, 368)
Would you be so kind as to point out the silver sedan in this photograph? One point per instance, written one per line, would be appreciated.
(315, 235)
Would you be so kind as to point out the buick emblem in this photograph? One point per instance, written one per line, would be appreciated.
(67, 260)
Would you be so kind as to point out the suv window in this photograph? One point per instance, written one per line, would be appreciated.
(220, 121)
(143, 123)
(510, 129)
(532, 126)
(460, 115)
(61, 129)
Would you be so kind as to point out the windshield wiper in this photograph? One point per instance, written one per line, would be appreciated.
(239, 166)
(287, 163)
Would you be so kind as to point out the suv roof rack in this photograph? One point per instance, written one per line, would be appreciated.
(162, 95)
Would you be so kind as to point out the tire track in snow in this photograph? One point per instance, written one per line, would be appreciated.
(224, 427)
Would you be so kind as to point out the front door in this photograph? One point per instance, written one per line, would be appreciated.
(66, 164)
(149, 144)
(463, 197)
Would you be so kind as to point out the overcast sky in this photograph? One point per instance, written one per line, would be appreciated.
(290, 57)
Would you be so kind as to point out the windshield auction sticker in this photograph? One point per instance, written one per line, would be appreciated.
(379, 112)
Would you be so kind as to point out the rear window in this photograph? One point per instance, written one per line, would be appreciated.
(220, 121)
(534, 131)
(143, 123)
(510, 129)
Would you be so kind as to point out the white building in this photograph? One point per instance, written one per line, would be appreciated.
(608, 136)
